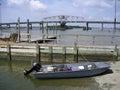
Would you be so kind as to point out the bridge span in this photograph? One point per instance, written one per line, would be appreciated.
(8, 24)
(59, 20)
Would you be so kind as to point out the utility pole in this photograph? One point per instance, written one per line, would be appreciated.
(0, 19)
(0, 13)
(115, 17)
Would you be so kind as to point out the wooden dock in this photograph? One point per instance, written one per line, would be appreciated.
(44, 39)
(76, 51)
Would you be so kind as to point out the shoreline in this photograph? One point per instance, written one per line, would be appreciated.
(110, 81)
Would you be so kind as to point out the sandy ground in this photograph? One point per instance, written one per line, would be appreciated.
(110, 81)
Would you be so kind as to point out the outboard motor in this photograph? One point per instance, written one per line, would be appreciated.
(36, 67)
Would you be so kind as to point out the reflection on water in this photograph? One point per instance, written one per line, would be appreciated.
(12, 78)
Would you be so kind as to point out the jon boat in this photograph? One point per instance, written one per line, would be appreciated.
(83, 69)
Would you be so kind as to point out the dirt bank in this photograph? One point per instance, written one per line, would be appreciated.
(110, 81)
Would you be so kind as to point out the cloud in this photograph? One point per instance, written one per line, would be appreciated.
(95, 3)
(91, 3)
(37, 5)
(33, 4)
(77, 3)
(37, 9)
(15, 2)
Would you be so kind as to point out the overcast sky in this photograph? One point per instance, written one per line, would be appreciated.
(35, 10)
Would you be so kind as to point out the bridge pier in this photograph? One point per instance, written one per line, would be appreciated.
(8, 25)
(87, 26)
(30, 25)
(40, 26)
(16, 26)
(102, 26)
(0, 26)
(62, 24)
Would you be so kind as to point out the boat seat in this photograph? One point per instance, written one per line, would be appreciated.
(91, 66)
(60, 68)
(81, 67)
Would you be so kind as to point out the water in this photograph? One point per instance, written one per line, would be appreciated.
(12, 78)
(81, 40)
(11, 74)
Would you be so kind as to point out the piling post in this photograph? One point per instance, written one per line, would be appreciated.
(55, 32)
(56, 29)
(64, 53)
(42, 28)
(38, 54)
(76, 53)
(28, 30)
(93, 40)
(51, 54)
(112, 41)
(47, 29)
(19, 30)
(43, 31)
(116, 52)
(9, 51)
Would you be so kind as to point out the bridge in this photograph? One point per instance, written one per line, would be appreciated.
(61, 20)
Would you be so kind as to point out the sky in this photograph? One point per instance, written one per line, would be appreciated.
(36, 10)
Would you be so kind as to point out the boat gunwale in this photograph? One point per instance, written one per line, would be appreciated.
(52, 72)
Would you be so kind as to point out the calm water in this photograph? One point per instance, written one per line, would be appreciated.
(11, 74)
(12, 78)
(70, 40)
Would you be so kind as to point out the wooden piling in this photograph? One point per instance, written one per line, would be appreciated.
(43, 36)
(116, 52)
(28, 30)
(56, 29)
(75, 53)
(51, 54)
(9, 52)
(64, 53)
(38, 54)
(19, 30)
(93, 40)
(47, 29)
(112, 41)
